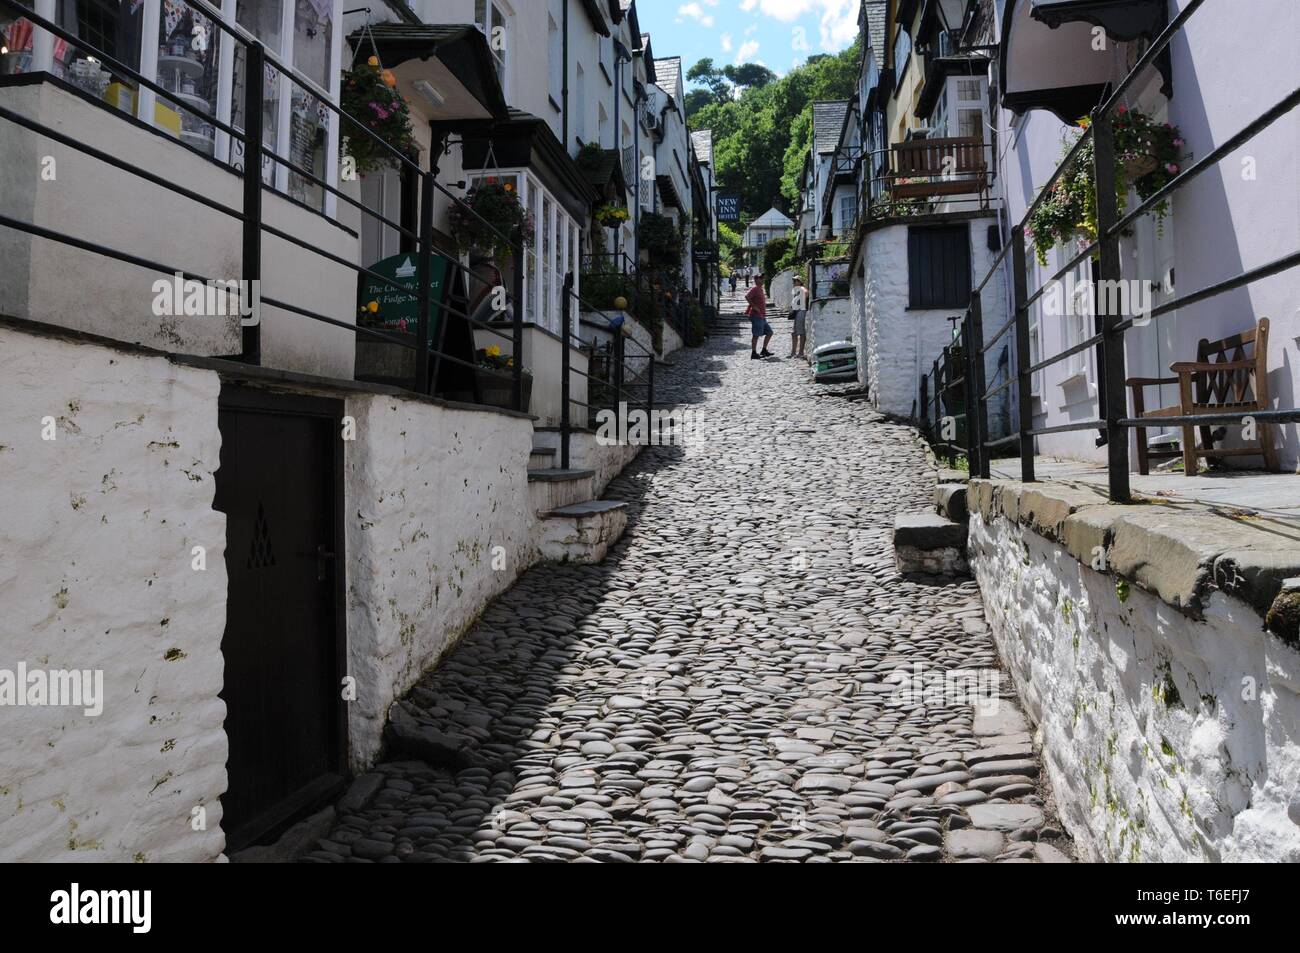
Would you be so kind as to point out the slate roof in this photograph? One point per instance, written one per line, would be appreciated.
(828, 123)
(877, 12)
(772, 217)
(668, 71)
(702, 143)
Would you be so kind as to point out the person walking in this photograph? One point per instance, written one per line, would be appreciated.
(757, 312)
(798, 314)
(733, 282)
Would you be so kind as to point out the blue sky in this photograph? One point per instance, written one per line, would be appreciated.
(780, 34)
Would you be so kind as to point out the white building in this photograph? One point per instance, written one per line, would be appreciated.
(771, 225)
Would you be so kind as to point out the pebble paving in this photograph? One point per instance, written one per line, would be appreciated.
(725, 687)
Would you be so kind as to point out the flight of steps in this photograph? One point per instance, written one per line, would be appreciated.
(934, 542)
(576, 527)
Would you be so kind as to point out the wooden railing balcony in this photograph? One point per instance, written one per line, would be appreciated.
(925, 168)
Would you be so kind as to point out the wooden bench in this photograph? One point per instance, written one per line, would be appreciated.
(1228, 376)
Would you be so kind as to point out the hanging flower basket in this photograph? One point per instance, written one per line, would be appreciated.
(611, 216)
(1147, 157)
(488, 217)
(369, 95)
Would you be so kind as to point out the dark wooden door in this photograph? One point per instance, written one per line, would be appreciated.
(279, 485)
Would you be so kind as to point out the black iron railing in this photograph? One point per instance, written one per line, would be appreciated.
(942, 401)
(1112, 422)
(616, 369)
(254, 227)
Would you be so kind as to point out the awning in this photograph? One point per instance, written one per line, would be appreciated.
(606, 176)
(451, 63)
(1048, 56)
(525, 141)
(1122, 20)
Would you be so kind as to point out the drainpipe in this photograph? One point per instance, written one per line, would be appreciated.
(618, 131)
(636, 176)
(564, 89)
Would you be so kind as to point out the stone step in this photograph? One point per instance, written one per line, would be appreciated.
(553, 489)
(542, 458)
(929, 543)
(582, 532)
(950, 501)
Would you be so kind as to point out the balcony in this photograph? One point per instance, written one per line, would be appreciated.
(926, 176)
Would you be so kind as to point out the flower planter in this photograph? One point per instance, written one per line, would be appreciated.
(1140, 166)
(497, 391)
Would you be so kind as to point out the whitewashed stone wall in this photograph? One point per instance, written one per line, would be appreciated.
(431, 493)
(1166, 739)
(896, 345)
(782, 290)
(829, 320)
(96, 532)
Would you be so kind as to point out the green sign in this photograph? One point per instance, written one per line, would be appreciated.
(380, 305)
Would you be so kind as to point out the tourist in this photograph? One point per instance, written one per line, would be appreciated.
(757, 313)
(799, 315)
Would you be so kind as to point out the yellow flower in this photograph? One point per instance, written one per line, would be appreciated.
(373, 307)
(494, 351)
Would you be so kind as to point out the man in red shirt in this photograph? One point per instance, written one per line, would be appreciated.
(757, 312)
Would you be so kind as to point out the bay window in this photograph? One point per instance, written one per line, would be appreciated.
(179, 46)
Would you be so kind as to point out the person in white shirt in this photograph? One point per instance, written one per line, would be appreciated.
(799, 314)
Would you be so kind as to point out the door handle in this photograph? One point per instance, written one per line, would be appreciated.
(323, 558)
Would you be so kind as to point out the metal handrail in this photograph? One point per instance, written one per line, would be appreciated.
(250, 215)
(1112, 421)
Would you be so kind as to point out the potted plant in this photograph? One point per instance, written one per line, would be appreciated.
(1148, 155)
(497, 388)
(369, 95)
(488, 217)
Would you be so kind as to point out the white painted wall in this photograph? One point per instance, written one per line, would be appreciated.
(896, 345)
(1221, 224)
(829, 320)
(429, 491)
(1138, 777)
(96, 532)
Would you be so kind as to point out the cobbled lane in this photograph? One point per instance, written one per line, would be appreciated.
(724, 688)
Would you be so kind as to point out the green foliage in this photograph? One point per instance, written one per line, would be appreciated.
(760, 137)
(729, 240)
(489, 216)
(660, 236)
(774, 252)
(1147, 158)
(380, 108)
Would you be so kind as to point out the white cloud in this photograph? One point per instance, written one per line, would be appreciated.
(838, 19)
(746, 51)
(726, 42)
(695, 12)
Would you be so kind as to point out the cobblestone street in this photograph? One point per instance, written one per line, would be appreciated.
(720, 688)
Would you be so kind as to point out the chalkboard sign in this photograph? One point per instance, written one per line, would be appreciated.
(728, 207)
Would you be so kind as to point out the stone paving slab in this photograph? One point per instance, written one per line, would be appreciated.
(746, 678)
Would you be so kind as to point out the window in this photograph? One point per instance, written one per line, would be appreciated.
(555, 61)
(848, 205)
(580, 113)
(545, 311)
(606, 44)
(489, 18)
(938, 267)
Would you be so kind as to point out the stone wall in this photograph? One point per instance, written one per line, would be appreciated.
(97, 534)
(896, 344)
(829, 320)
(431, 493)
(97, 528)
(1169, 716)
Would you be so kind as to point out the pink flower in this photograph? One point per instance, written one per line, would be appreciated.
(1171, 169)
(1179, 143)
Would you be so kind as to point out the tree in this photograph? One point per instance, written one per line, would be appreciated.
(714, 81)
(761, 134)
(749, 75)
